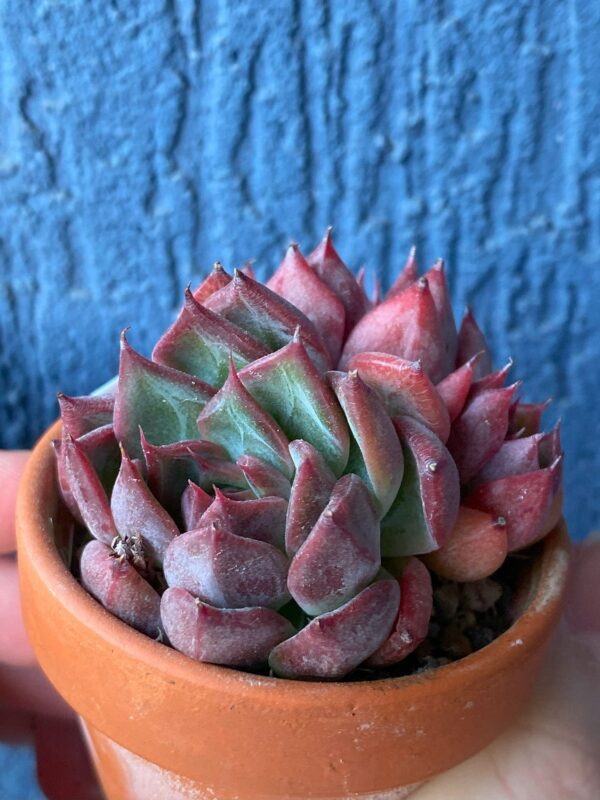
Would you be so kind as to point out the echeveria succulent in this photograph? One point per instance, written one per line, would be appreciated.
(277, 485)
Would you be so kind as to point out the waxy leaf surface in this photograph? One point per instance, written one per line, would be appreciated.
(262, 518)
(311, 489)
(80, 415)
(405, 389)
(287, 385)
(201, 342)
(375, 450)
(226, 570)
(426, 507)
(137, 512)
(116, 584)
(471, 341)
(162, 401)
(334, 644)
(341, 554)
(240, 637)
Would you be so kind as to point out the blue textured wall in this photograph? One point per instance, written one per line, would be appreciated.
(142, 140)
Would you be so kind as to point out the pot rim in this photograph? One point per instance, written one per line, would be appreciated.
(36, 543)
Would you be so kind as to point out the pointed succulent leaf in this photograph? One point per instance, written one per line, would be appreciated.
(248, 268)
(412, 621)
(80, 415)
(262, 518)
(262, 478)
(102, 449)
(169, 467)
(470, 342)
(237, 422)
(194, 502)
(515, 457)
(408, 276)
(494, 380)
(267, 317)
(550, 447)
(426, 507)
(375, 452)
(527, 417)
(334, 644)
(341, 554)
(287, 385)
(477, 434)
(475, 549)
(226, 570)
(330, 268)
(233, 637)
(217, 279)
(300, 285)
(522, 500)
(405, 389)
(85, 491)
(137, 512)
(161, 400)
(115, 583)
(438, 285)
(311, 489)
(454, 389)
(407, 325)
(201, 342)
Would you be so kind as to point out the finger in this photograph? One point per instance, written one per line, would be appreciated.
(553, 750)
(14, 645)
(26, 690)
(12, 464)
(64, 768)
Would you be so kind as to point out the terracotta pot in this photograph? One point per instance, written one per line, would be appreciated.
(163, 726)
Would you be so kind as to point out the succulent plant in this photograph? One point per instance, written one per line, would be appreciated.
(278, 483)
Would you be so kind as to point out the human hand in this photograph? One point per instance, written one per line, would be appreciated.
(552, 751)
(30, 709)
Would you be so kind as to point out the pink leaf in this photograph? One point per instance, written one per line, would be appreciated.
(335, 643)
(408, 276)
(407, 325)
(217, 279)
(162, 401)
(426, 506)
(375, 451)
(137, 512)
(83, 490)
(412, 623)
(240, 637)
(263, 478)
(201, 342)
(436, 277)
(262, 519)
(298, 283)
(116, 584)
(80, 415)
(310, 493)
(226, 570)
(330, 268)
(405, 389)
(267, 317)
(454, 389)
(471, 341)
(475, 549)
(515, 457)
(522, 500)
(341, 554)
(194, 502)
(479, 431)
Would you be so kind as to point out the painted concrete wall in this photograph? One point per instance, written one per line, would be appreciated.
(140, 141)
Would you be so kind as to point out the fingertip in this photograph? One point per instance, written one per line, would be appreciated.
(12, 464)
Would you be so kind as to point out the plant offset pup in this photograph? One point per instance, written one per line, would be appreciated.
(276, 484)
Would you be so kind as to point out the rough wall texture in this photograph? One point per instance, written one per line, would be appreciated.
(142, 140)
